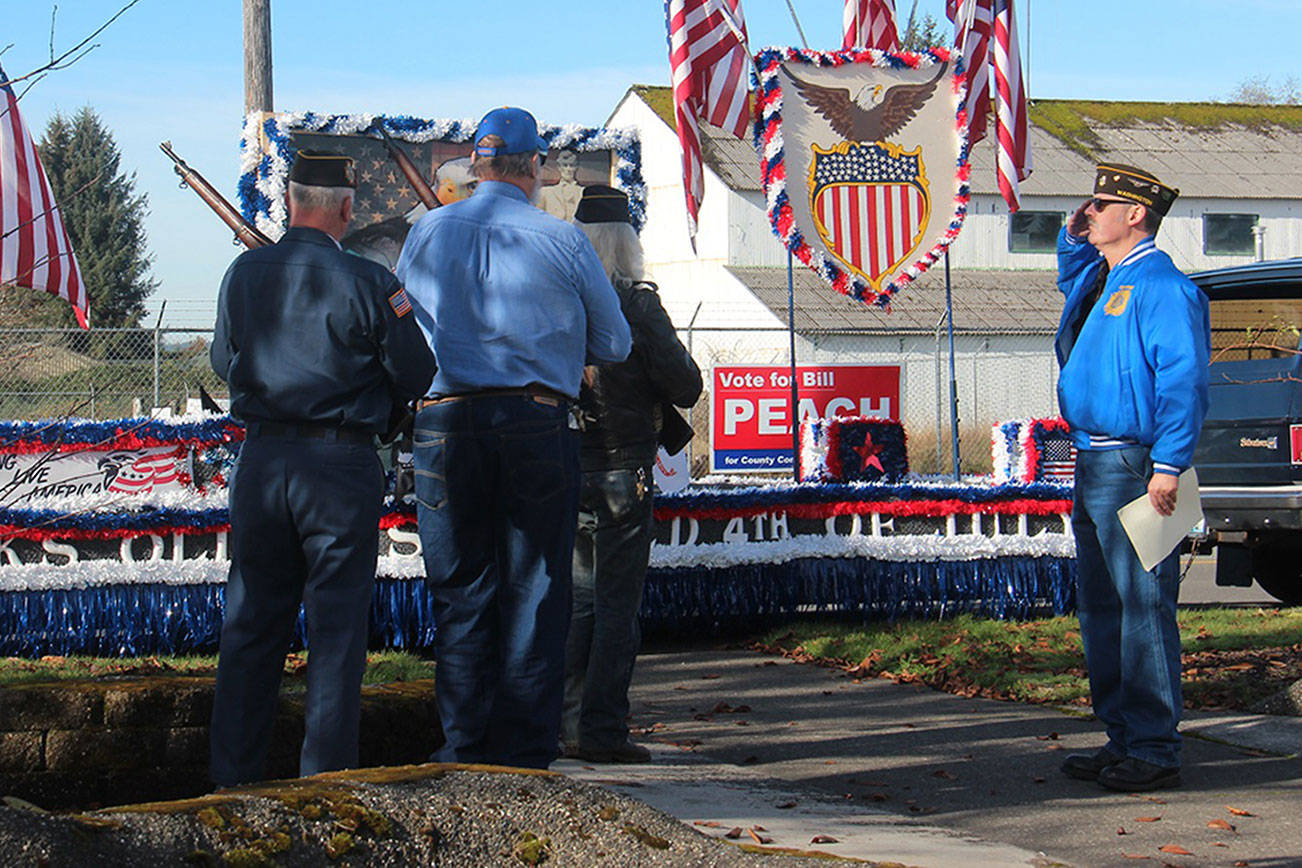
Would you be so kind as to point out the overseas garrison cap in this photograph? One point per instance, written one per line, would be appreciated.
(602, 204)
(322, 169)
(517, 128)
(1127, 182)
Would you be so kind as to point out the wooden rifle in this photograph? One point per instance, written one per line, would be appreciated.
(245, 232)
(417, 181)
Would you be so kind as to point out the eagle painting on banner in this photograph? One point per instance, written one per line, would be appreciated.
(864, 162)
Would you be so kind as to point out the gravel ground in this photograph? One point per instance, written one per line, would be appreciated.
(412, 815)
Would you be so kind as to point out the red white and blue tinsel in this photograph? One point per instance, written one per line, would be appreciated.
(986, 558)
(773, 170)
(1031, 450)
(264, 172)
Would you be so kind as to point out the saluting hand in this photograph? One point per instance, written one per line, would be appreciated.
(1078, 224)
(1162, 489)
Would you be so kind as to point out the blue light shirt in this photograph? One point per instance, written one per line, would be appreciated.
(508, 295)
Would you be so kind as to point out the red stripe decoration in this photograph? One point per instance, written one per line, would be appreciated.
(708, 60)
(35, 251)
(869, 24)
(869, 507)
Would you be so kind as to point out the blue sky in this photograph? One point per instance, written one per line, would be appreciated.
(172, 69)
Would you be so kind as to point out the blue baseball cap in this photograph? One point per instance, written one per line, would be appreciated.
(518, 129)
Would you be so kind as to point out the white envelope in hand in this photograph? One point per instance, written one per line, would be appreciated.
(1154, 535)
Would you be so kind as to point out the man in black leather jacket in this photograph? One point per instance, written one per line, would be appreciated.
(626, 407)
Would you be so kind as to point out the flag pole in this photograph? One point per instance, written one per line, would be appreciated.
(953, 380)
(795, 390)
(799, 29)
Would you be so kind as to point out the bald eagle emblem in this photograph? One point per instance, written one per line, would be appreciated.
(863, 162)
(873, 114)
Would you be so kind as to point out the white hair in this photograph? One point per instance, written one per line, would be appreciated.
(617, 247)
(318, 198)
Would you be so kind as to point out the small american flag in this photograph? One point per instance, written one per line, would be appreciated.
(708, 59)
(1057, 460)
(869, 24)
(35, 252)
(400, 303)
(974, 22)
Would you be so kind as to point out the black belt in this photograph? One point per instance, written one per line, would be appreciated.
(541, 394)
(315, 432)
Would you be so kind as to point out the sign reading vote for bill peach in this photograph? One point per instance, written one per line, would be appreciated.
(750, 413)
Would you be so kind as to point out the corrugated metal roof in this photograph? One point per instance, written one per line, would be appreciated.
(992, 301)
(1207, 150)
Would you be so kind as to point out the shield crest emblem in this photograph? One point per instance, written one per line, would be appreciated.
(846, 141)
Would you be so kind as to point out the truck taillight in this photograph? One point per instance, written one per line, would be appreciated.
(1295, 443)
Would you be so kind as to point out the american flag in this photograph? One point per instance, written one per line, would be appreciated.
(869, 24)
(708, 58)
(1057, 460)
(34, 248)
(974, 22)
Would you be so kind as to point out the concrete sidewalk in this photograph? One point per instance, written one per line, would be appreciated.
(912, 775)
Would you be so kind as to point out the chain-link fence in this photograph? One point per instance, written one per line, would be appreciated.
(103, 373)
(111, 373)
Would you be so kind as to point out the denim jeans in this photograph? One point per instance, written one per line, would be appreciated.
(610, 559)
(304, 513)
(497, 484)
(1127, 613)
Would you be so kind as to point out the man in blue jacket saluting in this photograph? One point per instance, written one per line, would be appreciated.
(1133, 343)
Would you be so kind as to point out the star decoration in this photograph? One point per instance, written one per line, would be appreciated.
(868, 452)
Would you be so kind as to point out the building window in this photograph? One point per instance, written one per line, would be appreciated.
(1228, 233)
(1034, 231)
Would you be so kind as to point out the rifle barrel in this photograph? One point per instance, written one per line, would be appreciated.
(245, 232)
(414, 177)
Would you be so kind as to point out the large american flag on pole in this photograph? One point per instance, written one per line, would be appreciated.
(869, 24)
(975, 22)
(34, 248)
(709, 61)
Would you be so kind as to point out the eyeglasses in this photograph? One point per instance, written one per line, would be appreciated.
(1099, 204)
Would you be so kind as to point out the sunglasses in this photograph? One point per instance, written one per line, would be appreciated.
(1099, 204)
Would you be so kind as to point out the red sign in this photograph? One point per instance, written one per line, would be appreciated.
(750, 416)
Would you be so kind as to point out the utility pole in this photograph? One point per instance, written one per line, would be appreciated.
(257, 56)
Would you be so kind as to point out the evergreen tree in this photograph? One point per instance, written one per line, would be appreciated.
(104, 217)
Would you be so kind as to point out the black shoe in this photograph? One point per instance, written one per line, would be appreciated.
(625, 753)
(1136, 775)
(569, 750)
(1086, 766)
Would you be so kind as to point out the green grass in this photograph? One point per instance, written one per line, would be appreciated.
(1232, 657)
(382, 667)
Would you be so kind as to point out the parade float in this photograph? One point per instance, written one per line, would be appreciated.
(113, 539)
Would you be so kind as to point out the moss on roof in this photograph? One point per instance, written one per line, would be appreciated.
(1073, 122)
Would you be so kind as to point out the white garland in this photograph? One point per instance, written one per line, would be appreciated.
(931, 547)
(216, 497)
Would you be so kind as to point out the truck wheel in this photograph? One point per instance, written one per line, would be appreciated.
(1278, 569)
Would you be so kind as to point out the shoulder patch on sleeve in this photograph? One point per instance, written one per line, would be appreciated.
(400, 303)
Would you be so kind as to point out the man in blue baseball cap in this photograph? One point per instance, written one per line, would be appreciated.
(514, 302)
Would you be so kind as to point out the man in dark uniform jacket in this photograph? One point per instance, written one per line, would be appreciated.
(626, 407)
(316, 345)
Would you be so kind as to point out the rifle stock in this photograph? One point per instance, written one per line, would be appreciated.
(245, 232)
(409, 170)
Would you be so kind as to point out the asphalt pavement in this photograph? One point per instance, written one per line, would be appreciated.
(902, 773)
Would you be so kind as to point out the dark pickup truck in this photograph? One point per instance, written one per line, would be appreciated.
(1249, 458)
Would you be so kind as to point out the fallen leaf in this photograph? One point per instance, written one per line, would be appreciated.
(1147, 819)
(1238, 667)
(1121, 830)
(878, 797)
(1135, 855)
(1239, 813)
(711, 676)
(1242, 863)
(1037, 780)
(1053, 736)
(823, 839)
(734, 832)
(941, 773)
(1220, 824)
(759, 828)
(707, 823)
(1174, 849)
(1219, 844)
(788, 804)
(759, 839)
